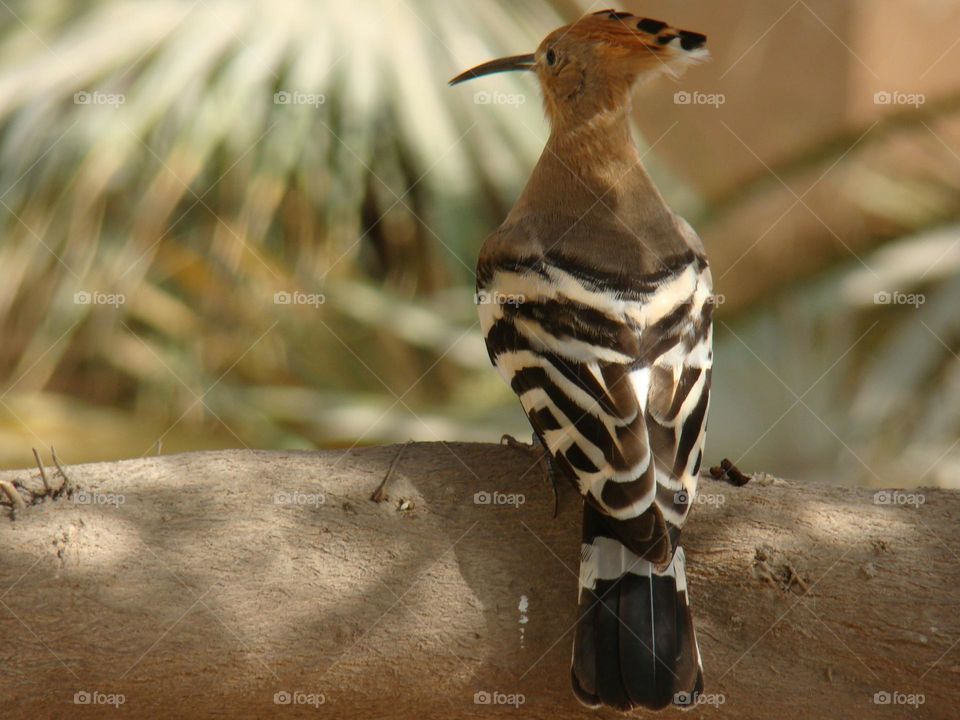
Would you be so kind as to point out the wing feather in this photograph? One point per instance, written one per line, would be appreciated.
(614, 374)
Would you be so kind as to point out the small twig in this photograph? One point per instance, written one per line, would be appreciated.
(67, 485)
(43, 473)
(794, 578)
(733, 472)
(726, 470)
(765, 573)
(15, 500)
(380, 494)
(511, 441)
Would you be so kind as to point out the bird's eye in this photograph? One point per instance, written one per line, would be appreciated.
(551, 57)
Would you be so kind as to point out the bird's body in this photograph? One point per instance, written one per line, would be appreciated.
(596, 305)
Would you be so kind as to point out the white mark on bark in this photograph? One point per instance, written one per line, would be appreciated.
(524, 605)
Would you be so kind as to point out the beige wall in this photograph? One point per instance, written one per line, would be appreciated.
(791, 75)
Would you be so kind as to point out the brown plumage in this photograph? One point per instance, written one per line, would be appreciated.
(606, 339)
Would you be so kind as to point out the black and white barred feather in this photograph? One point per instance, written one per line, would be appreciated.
(613, 372)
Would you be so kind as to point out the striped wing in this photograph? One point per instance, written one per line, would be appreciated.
(614, 375)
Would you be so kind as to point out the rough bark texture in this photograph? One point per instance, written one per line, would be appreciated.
(204, 593)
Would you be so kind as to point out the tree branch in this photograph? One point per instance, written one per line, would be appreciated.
(205, 584)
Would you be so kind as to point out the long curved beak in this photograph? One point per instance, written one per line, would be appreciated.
(507, 64)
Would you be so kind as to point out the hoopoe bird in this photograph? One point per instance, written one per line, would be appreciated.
(596, 306)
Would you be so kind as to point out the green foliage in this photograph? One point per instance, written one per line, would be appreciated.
(194, 159)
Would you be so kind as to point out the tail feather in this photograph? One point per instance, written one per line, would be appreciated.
(635, 644)
(639, 626)
(607, 622)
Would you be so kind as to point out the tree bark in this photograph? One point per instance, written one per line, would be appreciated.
(211, 584)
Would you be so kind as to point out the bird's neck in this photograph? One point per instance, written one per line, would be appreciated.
(592, 170)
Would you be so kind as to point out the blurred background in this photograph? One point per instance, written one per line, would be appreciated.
(254, 224)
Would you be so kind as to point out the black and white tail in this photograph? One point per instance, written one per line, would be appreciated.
(635, 645)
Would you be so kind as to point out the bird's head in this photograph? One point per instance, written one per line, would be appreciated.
(589, 67)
